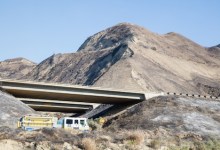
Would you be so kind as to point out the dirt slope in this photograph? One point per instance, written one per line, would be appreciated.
(127, 56)
(174, 114)
(11, 110)
(159, 123)
(15, 68)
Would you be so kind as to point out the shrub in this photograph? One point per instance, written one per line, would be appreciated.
(105, 138)
(48, 131)
(88, 144)
(154, 48)
(155, 144)
(94, 125)
(211, 144)
(136, 137)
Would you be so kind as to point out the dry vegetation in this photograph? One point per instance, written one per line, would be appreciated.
(136, 136)
(58, 139)
(94, 125)
(88, 144)
(136, 129)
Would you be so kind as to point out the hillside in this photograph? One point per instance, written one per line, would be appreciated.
(11, 110)
(178, 115)
(214, 51)
(15, 68)
(165, 122)
(127, 56)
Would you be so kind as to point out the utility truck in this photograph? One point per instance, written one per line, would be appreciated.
(36, 122)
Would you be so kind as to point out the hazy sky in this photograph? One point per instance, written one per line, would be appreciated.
(36, 29)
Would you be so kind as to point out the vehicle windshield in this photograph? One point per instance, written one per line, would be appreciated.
(82, 122)
(69, 121)
(76, 122)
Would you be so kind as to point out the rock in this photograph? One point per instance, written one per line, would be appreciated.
(67, 146)
(44, 145)
(10, 145)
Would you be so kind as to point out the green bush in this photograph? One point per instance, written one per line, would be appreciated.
(94, 125)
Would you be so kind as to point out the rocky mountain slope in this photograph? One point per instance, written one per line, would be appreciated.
(15, 68)
(127, 56)
(215, 51)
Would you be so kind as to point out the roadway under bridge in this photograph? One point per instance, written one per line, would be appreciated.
(66, 98)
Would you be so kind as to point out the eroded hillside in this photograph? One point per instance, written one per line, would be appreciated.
(176, 114)
(127, 56)
(15, 68)
(165, 122)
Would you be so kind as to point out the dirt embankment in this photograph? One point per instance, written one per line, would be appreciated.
(176, 114)
(165, 122)
(11, 110)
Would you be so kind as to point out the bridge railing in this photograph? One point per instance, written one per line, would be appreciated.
(193, 95)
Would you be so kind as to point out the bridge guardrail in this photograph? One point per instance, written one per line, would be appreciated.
(193, 95)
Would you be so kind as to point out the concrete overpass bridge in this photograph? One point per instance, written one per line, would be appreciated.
(66, 98)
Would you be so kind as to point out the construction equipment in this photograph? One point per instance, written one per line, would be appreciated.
(30, 123)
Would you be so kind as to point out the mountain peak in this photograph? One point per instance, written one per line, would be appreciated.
(15, 68)
(129, 26)
(15, 59)
(19, 59)
(173, 35)
(112, 37)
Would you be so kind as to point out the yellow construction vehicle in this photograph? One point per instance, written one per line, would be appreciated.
(35, 122)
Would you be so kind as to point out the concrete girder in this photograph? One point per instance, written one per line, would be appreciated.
(51, 108)
(69, 93)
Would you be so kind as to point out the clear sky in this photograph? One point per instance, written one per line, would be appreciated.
(36, 29)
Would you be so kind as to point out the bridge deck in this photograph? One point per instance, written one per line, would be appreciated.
(37, 95)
